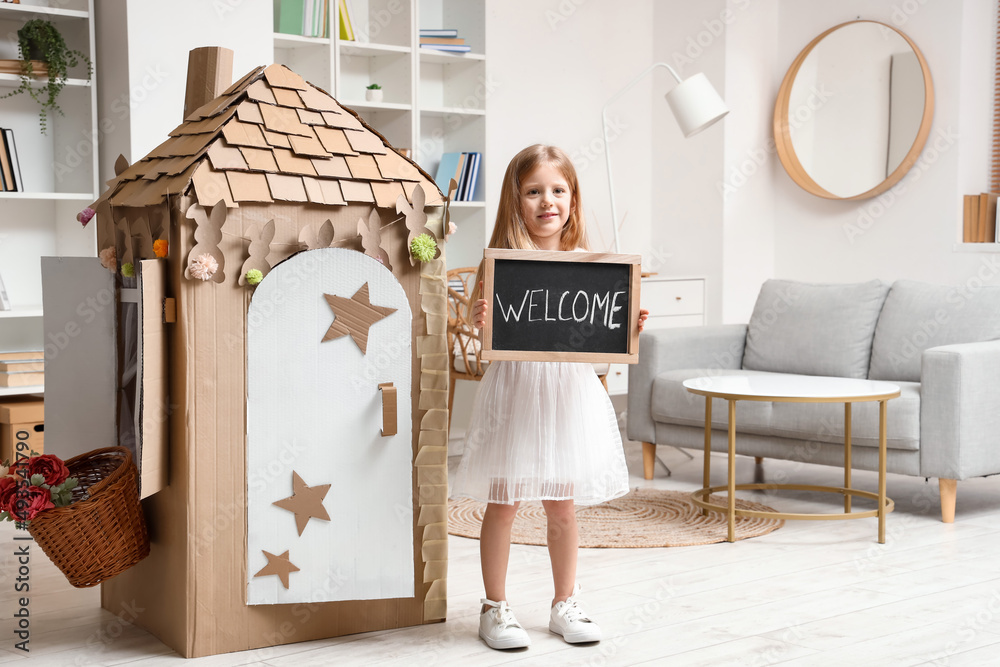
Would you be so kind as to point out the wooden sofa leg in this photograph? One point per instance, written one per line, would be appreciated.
(648, 459)
(758, 460)
(949, 489)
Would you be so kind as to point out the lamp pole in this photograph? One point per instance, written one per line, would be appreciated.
(607, 139)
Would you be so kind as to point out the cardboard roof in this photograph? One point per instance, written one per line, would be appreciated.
(272, 136)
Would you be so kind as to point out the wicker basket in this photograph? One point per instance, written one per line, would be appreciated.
(103, 532)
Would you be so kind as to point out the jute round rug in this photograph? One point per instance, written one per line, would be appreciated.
(643, 518)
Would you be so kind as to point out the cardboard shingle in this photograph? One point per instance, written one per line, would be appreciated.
(287, 97)
(356, 191)
(258, 91)
(387, 193)
(223, 156)
(290, 163)
(334, 141)
(276, 139)
(363, 167)
(249, 112)
(209, 124)
(310, 117)
(243, 134)
(395, 167)
(365, 142)
(287, 188)
(332, 167)
(281, 77)
(342, 120)
(332, 194)
(308, 146)
(317, 100)
(248, 186)
(283, 119)
(259, 159)
(211, 185)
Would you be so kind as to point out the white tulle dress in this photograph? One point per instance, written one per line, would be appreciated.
(542, 431)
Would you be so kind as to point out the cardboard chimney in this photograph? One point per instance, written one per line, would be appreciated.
(292, 435)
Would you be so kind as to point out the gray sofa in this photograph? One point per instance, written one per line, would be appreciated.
(940, 344)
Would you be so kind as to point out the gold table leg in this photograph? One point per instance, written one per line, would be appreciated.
(847, 456)
(732, 470)
(881, 471)
(707, 473)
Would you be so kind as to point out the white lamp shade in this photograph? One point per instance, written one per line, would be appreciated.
(695, 104)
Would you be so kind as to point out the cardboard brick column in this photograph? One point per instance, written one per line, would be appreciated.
(432, 451)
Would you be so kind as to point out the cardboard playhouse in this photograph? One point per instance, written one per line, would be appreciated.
(292, 434)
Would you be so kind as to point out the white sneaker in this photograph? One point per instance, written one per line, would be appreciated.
(498, 627)
(571, 621)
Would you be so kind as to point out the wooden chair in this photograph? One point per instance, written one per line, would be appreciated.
(463, 341)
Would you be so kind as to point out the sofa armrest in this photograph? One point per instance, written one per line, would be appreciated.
(960, 410)
(661, 350)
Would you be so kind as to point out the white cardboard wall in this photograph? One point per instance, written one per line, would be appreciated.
(314, 407)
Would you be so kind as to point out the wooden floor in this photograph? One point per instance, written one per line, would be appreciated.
(811, 593)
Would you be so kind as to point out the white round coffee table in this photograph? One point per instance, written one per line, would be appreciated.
(788, 388)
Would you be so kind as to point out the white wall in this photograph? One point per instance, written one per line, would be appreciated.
(910, 231)
(143, 48)
(555, 66)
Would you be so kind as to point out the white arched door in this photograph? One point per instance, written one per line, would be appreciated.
(329, 498)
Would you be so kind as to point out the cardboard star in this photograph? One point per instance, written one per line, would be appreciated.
(280, 566)
(354, 316)
(306, 502)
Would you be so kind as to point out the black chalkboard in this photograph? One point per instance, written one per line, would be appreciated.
(561, 306)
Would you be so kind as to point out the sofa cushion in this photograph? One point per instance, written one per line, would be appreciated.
(918, 316)
(814, 329)
(813, 422)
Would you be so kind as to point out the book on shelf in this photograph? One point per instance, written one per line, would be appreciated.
(21, 379)
(451, 48)
(470, 172)
(21, 366)
(438, 32)
(464, 168)
(346, 29)
(442, 40)
(4, 300)
(10, 167)
(31, 355)
(307, 18)
(987, 217)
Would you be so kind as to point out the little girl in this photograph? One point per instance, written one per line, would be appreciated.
(539, 430)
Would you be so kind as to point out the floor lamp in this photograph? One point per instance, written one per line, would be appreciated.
(694, 103)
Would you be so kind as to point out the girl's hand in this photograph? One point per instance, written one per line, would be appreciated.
(643, 314)
(479, 311)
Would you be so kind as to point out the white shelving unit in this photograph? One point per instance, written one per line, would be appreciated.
(434, 102)
(59, 171)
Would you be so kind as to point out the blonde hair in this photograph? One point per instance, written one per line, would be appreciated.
(510, 231)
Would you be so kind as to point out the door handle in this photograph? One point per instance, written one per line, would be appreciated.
(388, 409)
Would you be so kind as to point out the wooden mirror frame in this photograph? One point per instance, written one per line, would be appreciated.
(783, 139)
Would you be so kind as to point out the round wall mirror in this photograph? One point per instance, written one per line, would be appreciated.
(854, 111)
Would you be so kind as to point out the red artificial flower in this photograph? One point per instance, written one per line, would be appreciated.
(50, 467)
(29, 502)
(8, 489)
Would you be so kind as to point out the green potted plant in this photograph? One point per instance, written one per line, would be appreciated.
(373, 93)
(39, 40)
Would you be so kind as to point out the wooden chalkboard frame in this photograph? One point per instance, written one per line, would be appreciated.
(627, 356)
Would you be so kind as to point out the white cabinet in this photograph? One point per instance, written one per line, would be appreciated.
(433, 102)
(672, 302)
(58, 170)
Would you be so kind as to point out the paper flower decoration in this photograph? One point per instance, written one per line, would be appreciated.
(160, 248)
(203, 266)
(84, 216)
(452, 228)
(109, 259)
(254, 276)
(424, 247)
(128, 269)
